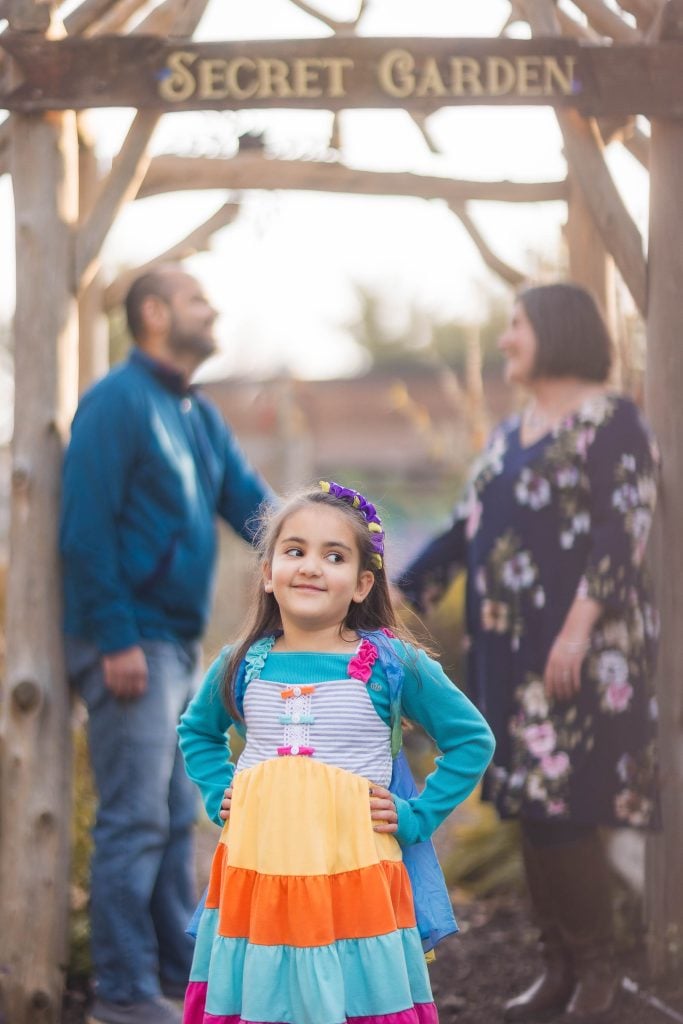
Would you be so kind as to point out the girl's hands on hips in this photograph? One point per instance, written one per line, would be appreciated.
(225, 805)
(562, 676)
(382, 810)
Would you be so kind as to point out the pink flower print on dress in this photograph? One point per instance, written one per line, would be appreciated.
(554, 766)
(360, 666)
(617, 696)
(540, 739)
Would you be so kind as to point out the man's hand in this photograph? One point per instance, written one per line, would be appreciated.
(125, 673)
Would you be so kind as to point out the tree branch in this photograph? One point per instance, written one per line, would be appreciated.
(117, 19)
(607, 22)
(613, 221)
(497, 265)
(121, 185)
(638, 145)
(129, 167)
(254, 171)
(86, 14)
(338, 27)
(198, 240)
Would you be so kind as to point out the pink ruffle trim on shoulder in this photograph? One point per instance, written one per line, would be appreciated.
(360, 666)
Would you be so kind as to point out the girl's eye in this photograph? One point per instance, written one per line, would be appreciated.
(295, 552)
(335, 557)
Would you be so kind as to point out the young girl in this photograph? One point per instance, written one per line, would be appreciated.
(309, 916)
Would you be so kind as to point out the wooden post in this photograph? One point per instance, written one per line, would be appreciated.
(35, 762)
(591, 265)
(664, 386)
(93, 327)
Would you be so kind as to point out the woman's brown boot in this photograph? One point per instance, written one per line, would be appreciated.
(583, 896)
(549, 993)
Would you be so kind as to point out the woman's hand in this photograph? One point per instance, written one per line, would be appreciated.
(382, 810)
(225, 805)
(562, 676)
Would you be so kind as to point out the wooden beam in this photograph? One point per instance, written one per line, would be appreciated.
(504, 270)
(29, 15)
(127, 173)
(607, 22)
(117, 19)
(542, 16)
(613, 221)
(35, 710)
(339, 73)
(638, 145)
(339, 27)
(85, 14)
(254, 171)
(128, 169)
(196, 241)
(664, 383)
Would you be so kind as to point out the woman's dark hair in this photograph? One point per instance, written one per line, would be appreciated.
(572, 338)
(375, 612)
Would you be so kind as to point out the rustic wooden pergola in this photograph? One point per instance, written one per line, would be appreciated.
(596, 63)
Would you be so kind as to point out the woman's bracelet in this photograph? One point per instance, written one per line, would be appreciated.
(576, 645)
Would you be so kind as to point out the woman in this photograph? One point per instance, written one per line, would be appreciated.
(553, 532)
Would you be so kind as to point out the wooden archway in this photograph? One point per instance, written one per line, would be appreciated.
(596, 73)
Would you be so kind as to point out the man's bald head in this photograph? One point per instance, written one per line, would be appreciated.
(160, 283)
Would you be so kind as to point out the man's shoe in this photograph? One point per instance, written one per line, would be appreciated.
(151, 1011)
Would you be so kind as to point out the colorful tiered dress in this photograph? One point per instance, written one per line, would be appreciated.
(309, 917)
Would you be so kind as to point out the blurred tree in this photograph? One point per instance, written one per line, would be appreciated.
(398, 339)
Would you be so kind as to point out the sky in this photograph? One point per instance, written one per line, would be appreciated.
(285, 275)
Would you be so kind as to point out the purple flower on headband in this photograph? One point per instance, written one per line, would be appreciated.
(366, 509)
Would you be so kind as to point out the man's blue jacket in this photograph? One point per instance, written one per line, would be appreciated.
(149, 467)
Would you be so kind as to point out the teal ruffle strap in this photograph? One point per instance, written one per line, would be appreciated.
(255, 658)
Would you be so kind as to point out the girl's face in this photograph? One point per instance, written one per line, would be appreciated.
(519, 346)
(315, 570)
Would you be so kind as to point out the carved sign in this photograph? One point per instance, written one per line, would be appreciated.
(337, 72)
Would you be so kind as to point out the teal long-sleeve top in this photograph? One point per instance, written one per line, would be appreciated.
(428, 697)
(150, 466)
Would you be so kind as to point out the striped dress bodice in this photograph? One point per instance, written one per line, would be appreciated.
(332, 721)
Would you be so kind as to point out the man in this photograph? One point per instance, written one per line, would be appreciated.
(150, 465)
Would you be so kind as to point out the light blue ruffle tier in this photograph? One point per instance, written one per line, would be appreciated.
(351, 977)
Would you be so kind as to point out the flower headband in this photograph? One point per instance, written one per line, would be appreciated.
(367, 510)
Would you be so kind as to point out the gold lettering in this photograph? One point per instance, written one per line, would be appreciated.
(500, 76)
(336, 66)
(212, 79)
(466, 77)
(529, 76)
(180, 84)
(273, 77)
(241, 92)
(305, 77)
(396, 73)
(555, 74)
(430, 81)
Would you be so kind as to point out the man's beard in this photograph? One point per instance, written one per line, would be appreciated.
(180, 342)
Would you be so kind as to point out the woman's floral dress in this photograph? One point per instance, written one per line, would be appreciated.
(567, 515)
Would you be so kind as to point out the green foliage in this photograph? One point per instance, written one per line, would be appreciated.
(483, 853)
(82, 820)
(419, 338)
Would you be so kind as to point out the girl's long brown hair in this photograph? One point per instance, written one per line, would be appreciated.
(375, 612)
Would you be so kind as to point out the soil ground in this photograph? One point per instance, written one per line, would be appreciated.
(492, 958)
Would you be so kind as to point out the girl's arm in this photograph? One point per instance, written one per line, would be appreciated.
(204, 744)
(461, 734)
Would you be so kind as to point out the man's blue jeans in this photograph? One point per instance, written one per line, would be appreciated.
(142, 885)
